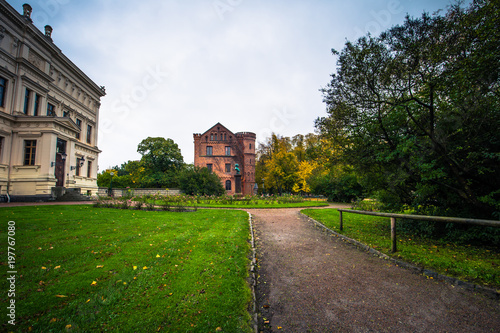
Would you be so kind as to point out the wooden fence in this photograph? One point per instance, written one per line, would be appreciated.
(393, 217)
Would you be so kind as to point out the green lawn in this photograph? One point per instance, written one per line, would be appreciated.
(240, 205)
(86, 269)
(470, 263)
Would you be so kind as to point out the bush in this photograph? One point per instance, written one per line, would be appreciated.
(200, 181)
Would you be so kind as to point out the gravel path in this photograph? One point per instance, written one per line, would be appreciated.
(312, 282)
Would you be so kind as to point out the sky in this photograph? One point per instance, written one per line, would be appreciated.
(172, 68)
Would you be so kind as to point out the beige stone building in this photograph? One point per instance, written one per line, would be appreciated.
(49, 112)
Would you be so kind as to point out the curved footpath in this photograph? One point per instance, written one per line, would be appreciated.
(312, 282)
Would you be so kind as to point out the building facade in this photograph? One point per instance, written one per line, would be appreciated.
(49, 112)
(231, 156)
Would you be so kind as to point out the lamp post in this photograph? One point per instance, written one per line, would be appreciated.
(111, 184)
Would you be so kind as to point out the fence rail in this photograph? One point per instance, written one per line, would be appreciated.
(393, 217)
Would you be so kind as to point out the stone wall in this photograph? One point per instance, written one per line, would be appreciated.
(138, 192)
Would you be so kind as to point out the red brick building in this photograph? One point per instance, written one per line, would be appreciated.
(220, 150)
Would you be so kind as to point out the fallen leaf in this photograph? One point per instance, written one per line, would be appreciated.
(68, 327)
(135, 267)
(44, 267)
(53, 320)
(93, 283)
(99, 266)
(62, 296)
(157, 256)
(88, 300)
(145, 267)
(57, 267)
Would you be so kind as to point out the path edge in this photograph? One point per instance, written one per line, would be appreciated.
(253, 276)
(488, 292)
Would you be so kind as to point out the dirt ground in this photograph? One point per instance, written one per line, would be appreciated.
(310, 281)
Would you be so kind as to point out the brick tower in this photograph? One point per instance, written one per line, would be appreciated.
(220, 150)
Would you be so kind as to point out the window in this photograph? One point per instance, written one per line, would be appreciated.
(66, 114)
(228, 151)
(89, 134)
(77, 172)
(36, 110)
(26, 100)
(51, 110)
(89, 169)
(228, 167)
(1, 146)
(3, 89)
(209, 167)
(29, 152)
(79, 124)
(249, 146)
(215, 136)
(225, 137)
(228, 185)
(209, 150)
(211, 137)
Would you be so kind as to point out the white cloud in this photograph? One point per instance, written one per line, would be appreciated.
(258, 69)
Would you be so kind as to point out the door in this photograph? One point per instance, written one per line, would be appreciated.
(60, 162)
(59, 173)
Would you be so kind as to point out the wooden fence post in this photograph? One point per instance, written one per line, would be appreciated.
(393, 235)
(341, 222)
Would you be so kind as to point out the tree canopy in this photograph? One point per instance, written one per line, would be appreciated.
(416, 110)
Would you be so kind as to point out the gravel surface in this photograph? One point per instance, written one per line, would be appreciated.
(312, 282)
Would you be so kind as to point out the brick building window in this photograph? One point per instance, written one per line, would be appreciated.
(209, 151)
(29, 152)
(215, 137)
(210, 167)
(3, 88)
(211, 137)
(228, 151)
(228, 167)
(228, 185)
(249, 146)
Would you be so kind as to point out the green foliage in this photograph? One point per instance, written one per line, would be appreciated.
(416, 111)
(344, 188)
(200, 181)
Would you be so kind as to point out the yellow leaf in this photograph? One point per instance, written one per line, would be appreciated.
(93, 283)
(124, 282)
(57, 267)
(218, 329)
(145, 267)
(279, 327)
(157, 256)
(62, 296)
(44, 267)
(53, 320)
(88, 300)
(68, 327)
(135, 267)
(99, 266)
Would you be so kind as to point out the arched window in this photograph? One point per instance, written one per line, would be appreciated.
(228, 185)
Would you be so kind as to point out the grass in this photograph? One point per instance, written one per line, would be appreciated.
(86, 269)
(240, 205)
(465, 262)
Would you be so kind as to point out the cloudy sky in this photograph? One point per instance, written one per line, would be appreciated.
(172, 68)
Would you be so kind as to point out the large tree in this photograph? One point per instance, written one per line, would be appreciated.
(417, 111)
(162, 161)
